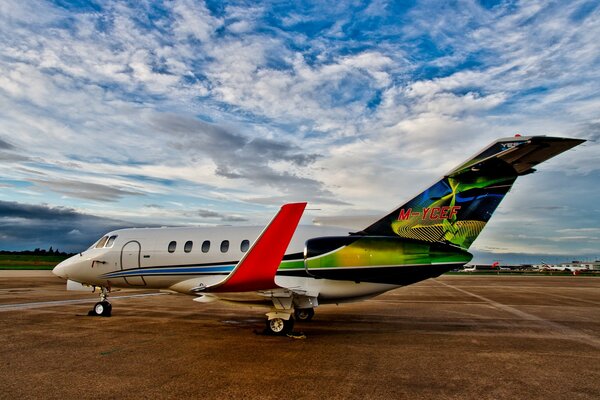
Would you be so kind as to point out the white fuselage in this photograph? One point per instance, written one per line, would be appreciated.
(180, 259)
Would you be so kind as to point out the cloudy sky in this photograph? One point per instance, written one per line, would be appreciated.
(116, 113)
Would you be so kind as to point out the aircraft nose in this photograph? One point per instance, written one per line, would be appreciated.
(61, 270)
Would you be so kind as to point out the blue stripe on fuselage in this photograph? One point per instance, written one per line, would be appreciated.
(223, 269)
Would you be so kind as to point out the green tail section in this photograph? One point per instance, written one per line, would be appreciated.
(456, 208)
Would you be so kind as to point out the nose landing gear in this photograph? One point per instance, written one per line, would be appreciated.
(103, 307)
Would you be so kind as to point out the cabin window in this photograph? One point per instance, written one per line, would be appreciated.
(188, 246)
(206, 246)
(101, 242)
(111, 240)
(245, 246)
(224, 246)
(172, 246)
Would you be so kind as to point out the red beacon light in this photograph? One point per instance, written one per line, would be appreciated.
(518, 135)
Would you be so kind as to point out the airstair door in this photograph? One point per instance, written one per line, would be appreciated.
(130, 263)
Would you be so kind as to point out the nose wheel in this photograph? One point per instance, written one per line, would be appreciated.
(102, 308)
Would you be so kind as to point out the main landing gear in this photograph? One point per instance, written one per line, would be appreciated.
(280, 326)
(103, 307)
(304, 314)
(281, 322)
(288, 307)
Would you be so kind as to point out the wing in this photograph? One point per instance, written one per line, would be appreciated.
(256, 270)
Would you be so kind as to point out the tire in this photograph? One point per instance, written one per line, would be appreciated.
(280, 326)
(98, 308)
(103, 308)
(107, 309)
(304, 314)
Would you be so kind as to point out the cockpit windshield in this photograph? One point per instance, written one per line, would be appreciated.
(110, 241)
(101, 242)
(105, 241)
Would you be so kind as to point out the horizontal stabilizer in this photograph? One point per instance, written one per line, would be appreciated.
(521, 153)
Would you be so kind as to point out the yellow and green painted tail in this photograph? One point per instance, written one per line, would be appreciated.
(456, 208)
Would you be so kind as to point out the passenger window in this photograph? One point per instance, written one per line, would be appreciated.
(245, 245)
(102, 242)
(224, 246)
(111, 240)
(206, 246)
(172, 246)
(188, 246)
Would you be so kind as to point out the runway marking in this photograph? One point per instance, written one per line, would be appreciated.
(41, 304)
(578, 288)
(565, 331)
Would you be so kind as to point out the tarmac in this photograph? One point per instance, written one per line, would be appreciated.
(454, 337)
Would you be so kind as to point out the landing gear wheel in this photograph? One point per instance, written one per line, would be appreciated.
(280, 326)
(102, 308)
(304, 314)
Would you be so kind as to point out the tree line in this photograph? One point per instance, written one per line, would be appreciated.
(38, 252)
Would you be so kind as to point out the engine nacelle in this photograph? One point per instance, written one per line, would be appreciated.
(381, 259)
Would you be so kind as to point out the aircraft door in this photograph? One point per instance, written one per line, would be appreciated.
(130, 260)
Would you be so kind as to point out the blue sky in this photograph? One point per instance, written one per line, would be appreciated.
(180, 112)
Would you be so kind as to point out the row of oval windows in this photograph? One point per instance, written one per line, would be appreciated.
(187, 247)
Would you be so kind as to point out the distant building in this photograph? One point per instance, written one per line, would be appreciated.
(571, 266)
(568, 266)
(589, 265)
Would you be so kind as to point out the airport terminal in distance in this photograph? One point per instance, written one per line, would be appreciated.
(574, 267)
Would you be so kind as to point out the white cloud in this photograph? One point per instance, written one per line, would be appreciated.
(80, 94)
(194, 19)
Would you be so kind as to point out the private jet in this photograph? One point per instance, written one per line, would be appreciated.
(293, 269)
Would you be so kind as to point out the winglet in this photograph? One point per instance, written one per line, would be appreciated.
(256, 270)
